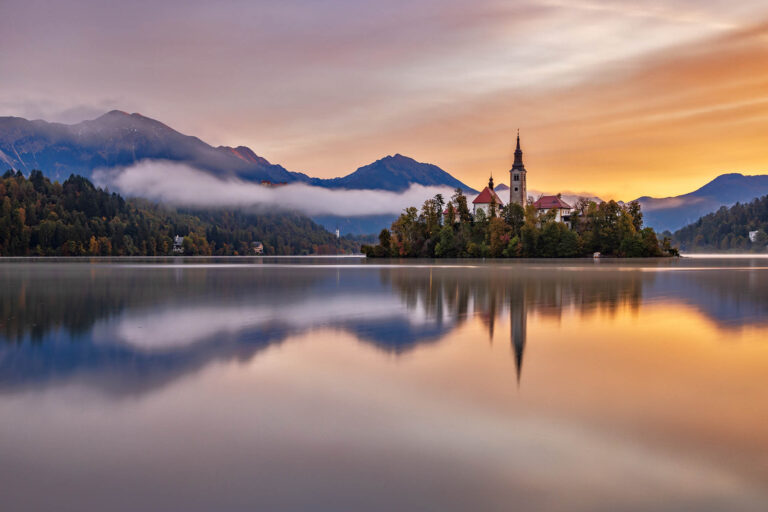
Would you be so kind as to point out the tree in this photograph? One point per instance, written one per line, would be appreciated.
(445, 247)
(460, 202)
(608, 227)
(500, 233)
(43, 217)
(514, 215)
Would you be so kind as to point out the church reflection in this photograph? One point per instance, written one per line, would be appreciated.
(518, 318)
(495, 293)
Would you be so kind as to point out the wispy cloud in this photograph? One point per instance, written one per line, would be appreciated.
(328, 86)
(182, 185)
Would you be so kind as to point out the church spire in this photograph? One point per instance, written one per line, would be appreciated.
(490, 182)
(518, 154)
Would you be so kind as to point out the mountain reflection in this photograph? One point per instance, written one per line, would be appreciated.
(128, 329)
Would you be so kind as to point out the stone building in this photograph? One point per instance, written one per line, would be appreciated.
(518, 189)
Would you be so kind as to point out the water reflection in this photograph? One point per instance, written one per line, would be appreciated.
(538, 385)
(133, 328)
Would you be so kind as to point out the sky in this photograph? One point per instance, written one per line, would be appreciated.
(617, 98)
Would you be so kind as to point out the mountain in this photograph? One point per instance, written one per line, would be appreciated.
(395, 173)
(78, 219)
(671, 213)
(119, 139)
(740, 228)
(360, 225)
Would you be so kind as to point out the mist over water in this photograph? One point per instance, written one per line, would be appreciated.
(337, 384)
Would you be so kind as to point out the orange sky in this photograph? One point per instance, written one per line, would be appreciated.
(663, 125)
(612, 97)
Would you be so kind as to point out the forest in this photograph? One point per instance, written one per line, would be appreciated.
(43, 218)
(728, 229)
(449, 230)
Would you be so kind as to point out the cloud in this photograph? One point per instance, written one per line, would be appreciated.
(615, 96)
(59, 110)
(182, 185)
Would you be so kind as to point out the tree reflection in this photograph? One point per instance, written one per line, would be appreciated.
(490, 292)
(133, 328)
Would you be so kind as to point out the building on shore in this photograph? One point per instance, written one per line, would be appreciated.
(178, 244)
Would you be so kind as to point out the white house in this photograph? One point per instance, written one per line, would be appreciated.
(178, 244)
(563, 210)
(486, 198)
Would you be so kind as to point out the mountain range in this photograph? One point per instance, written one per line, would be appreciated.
(672, 213)
(119, 139)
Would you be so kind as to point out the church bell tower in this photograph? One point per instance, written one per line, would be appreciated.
(518, 191)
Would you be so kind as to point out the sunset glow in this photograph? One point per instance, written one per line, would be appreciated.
(612, 98)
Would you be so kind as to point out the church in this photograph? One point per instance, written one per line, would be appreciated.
(518, 193)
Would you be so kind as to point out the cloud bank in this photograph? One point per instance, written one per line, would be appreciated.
(182, 185)
(621, 97)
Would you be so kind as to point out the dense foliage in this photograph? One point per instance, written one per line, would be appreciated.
(728, 229)
(451, 231)
(75, 218)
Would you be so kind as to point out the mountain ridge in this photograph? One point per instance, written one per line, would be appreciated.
(120, 139)
(674, 212)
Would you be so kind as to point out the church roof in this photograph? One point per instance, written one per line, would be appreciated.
(518, 163)
(549, 202)
(485, 197)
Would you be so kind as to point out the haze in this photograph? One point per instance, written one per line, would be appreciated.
(612, 98)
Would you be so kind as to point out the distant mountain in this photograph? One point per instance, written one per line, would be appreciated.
(395, 173)
(672, 213)
(119, 139)
(740, 228)
(362, 225)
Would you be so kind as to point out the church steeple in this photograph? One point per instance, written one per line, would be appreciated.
(518, 192)
(518, 155)
(490, 182)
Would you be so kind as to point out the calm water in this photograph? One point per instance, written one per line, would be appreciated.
(281, 385)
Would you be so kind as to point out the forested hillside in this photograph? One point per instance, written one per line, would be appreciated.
(75, 218)
(727, 230)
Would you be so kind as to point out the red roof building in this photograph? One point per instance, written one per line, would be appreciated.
(562, 209)
(486, 197)
(549, 202)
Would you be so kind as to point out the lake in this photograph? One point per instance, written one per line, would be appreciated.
(344, 385)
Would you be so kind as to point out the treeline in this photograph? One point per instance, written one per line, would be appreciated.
(728, 229)
(441, 230)
(43, 218)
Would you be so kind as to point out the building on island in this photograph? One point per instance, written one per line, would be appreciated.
(486, 199)
(518, 188)
(562, 209)
(518, 193)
